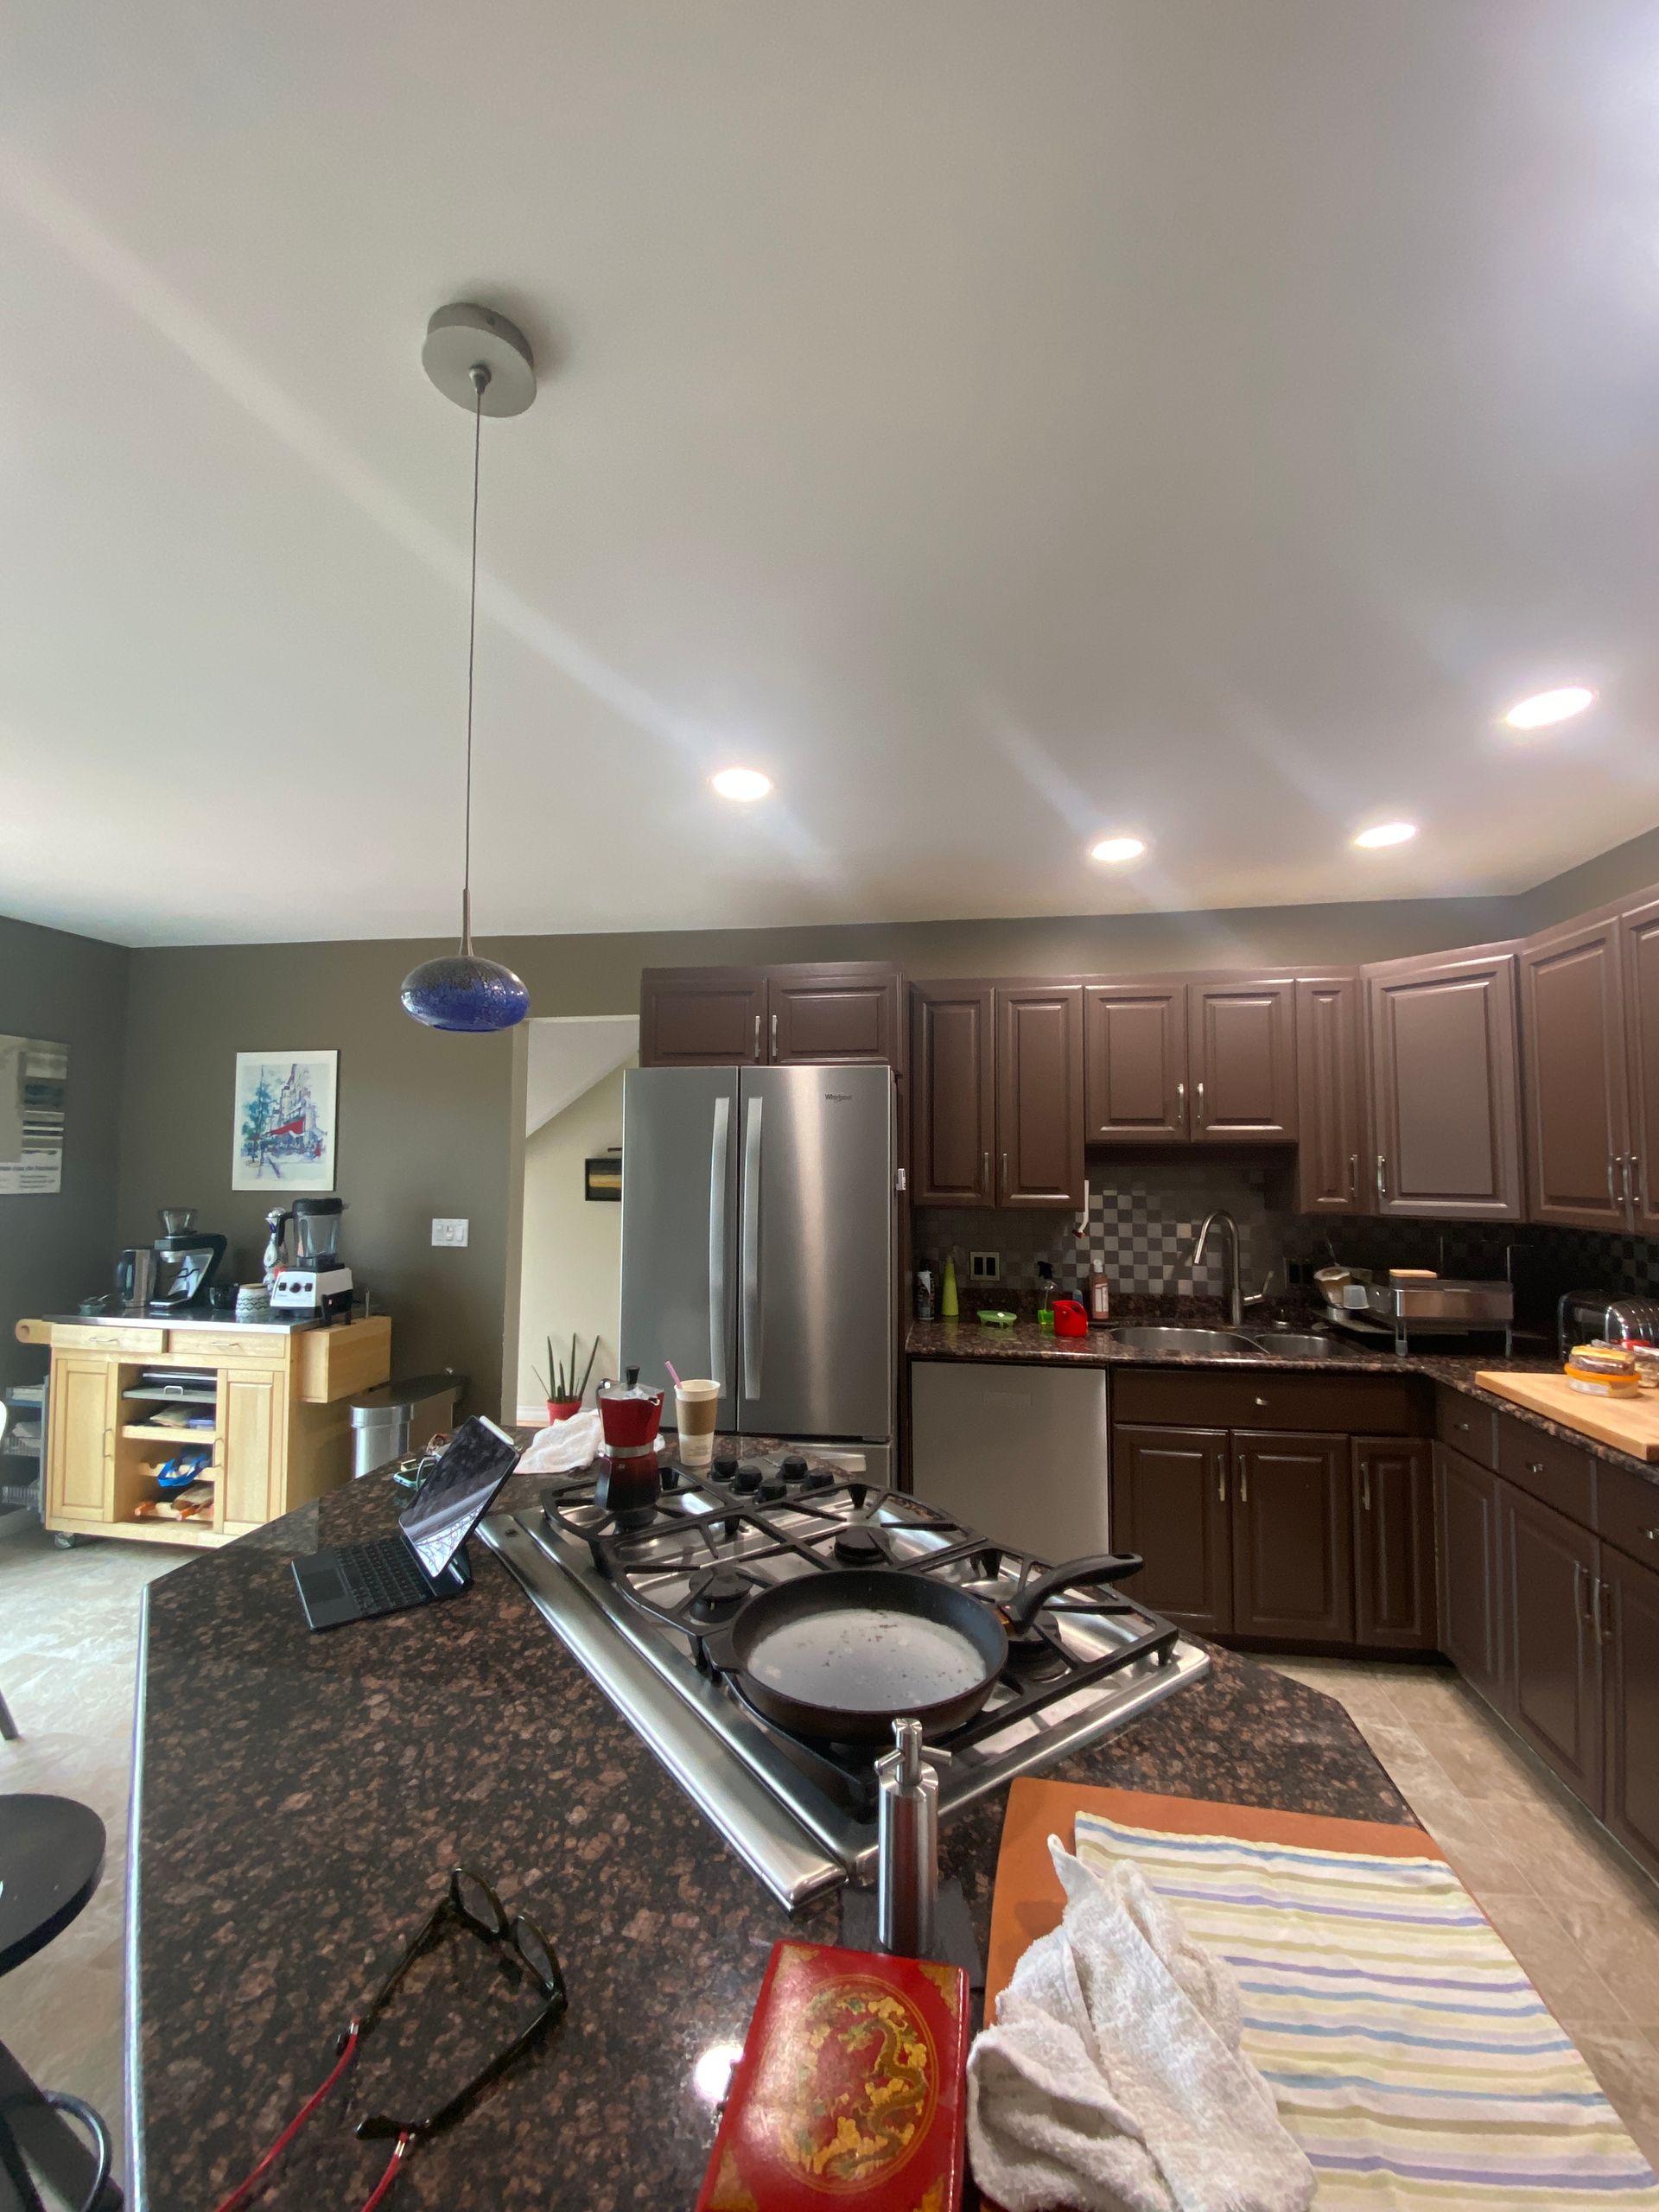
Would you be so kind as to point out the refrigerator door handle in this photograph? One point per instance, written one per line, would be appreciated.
(717, 1242)
(752, 1249)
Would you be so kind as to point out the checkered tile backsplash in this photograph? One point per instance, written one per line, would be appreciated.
(1143, 1221)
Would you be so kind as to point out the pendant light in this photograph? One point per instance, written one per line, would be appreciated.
(483, 363)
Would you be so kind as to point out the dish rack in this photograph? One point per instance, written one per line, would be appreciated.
(22, 1445)
(1367, 1305)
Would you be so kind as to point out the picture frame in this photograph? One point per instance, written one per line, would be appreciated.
(283, 1133)
(601, 1178)
(34, 1082)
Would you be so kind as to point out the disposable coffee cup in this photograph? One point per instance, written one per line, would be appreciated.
(696, 1408)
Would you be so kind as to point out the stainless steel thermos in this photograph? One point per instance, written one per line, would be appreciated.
(907, 1844)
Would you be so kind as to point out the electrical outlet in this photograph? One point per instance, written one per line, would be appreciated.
(448, 1231)
(984, 1267)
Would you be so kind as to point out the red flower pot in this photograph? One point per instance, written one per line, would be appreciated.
(560, 1410)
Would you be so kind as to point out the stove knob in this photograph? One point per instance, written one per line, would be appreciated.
(793, 1469)
(723, 1467)
(818, 1478)
(772, 1489)
(747, 1477)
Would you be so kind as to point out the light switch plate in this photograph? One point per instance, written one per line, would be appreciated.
(449, 1231)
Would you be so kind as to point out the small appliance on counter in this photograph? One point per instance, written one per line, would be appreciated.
(187, 1259)
(1410, 1302)
(314, 1285)
(630, 1414)
(1590, 1316)
(135, 1277)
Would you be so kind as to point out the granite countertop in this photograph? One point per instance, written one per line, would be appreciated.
(1026, 1343)
(299, 1798)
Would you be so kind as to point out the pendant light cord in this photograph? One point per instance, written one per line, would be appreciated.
(480, 379)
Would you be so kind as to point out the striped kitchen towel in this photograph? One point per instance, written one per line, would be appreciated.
(1410, 2056)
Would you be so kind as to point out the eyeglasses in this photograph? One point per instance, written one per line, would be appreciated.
(468, 1899)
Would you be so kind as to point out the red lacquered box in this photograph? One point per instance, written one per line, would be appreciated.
(850, 2089)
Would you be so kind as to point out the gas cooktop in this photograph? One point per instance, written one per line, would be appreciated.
(639, 1600)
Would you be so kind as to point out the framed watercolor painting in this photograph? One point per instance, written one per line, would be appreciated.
(284, 1130)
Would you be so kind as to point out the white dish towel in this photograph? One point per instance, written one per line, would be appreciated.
(1113, 2081)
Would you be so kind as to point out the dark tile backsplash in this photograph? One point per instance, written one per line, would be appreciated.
(1143, 1220)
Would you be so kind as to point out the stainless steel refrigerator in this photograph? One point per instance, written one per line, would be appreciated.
(757, 1226)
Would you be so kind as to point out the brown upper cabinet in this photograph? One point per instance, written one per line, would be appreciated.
(1039, 1094)
(953, 1105)
(702, 1017)
(1204, 1062)
(1330, 1098)
(830, 1013)
(1445, 1099)
(1638, 948)
(1134, 1063)
(1241, 1052)
(1574, 1093)
(827, 1011)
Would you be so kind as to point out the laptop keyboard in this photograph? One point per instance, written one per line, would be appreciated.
(382, 1577)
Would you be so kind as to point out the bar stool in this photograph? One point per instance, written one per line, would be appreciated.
(51, 1858)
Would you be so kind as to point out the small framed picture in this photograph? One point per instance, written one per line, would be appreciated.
(603, 1178)
(284, 1125)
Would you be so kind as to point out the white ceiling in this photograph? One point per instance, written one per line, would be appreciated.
(1004, 420)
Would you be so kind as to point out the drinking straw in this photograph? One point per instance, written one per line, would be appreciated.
(669, 1364)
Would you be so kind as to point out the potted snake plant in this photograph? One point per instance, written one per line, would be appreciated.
(564, 1393)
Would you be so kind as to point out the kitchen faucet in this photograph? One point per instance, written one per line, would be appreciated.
(1230, 1270)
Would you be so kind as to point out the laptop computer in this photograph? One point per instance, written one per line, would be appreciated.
(426, 1560)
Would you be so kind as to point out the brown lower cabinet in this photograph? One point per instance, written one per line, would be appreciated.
(1552, 1610)
(1630, 1659)
(1470, 1560)
(1267, 1535)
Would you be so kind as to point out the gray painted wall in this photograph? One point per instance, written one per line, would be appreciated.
(54, 1247)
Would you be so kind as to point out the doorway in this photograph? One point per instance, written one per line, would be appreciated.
(570, 1251)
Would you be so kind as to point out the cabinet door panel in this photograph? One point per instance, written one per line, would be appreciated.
(1572, 1057)
(1444, 1091)
(1394, 1543)
(827, 1014)
(252, 1415)
(81, 1419)
(1170, 1504)
(1630, 1600)
(1134, 1063)
(1639, 963)
(702, 1017)
(1330, 1132)
(1555, 1655)
(1470, 1566)
(953, 1094)
(1241, 1059)
(1292, 1538)
(1040, 1095)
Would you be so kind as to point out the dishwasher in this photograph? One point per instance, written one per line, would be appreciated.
(1018, 1454)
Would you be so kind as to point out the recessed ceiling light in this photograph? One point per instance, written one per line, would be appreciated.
(741, 783)
(1118, 849)
(1386, 833)
(1547, 707)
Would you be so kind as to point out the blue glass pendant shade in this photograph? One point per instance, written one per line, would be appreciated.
(459, 990)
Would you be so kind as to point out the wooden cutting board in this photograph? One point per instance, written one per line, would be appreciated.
(1628, 1424)
(1028, 1900)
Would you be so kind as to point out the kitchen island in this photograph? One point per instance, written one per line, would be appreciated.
(299, 1798)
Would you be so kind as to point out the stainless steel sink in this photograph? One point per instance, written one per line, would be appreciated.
(1153, 1338)
(1293, 1344)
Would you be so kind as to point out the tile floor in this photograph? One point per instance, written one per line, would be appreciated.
(1585, 1929)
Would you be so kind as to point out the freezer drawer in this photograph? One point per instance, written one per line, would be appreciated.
(1018, 1452)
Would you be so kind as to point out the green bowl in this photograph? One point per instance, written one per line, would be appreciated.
(994, 1317)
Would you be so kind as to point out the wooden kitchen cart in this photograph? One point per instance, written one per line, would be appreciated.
(281, 1432)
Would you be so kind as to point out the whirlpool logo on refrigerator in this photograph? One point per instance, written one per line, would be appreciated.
(839, 1097)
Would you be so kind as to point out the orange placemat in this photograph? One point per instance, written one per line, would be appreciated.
(1028, 1900)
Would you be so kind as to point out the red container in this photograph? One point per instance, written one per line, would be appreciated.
(849, 2091)
(628, 1482)
(1069, 1319)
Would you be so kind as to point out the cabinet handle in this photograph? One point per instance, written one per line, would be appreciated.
(1180, 1105)
(985, 1172)
(108, 1442)
(1598, 1614)
(1221, 1483)
(1635, 1159)
(774, 1036)
(757, 1036)
(1382, 1174)
(1365, 1488)
(1243, 1484)
(1534, 1466)
(1197, 1106)
(1579, 1579)
(1652, 1535)
(1462, 1427)
(1612, 1192)
(1260, 1401)
(1005, 1174)
(1353, 1175)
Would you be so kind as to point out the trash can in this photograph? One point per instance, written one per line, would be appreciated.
(400, 1417)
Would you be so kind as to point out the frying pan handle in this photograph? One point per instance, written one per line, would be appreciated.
(1111, 1567)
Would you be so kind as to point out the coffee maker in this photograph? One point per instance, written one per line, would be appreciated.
(314, 1285)
(187, 1259)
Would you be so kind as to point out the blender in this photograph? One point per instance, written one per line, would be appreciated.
(313, 1285)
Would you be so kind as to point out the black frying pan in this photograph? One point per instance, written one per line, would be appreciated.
(843, 1655)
